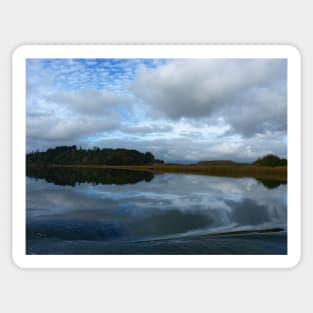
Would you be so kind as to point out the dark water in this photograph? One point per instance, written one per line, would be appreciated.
(97, 211)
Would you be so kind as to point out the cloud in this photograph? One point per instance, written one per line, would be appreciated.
(147, 129)
(55, 128)
(249, 94)
(88, 102)
(194, 149)
(72, 116)
(71, 100)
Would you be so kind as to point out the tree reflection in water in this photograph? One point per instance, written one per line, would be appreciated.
(65, 176)
(271, 183)
(70, 176)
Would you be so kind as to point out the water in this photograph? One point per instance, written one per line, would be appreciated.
(97, 211)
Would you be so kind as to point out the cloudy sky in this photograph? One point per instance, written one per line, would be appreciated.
(181, 110)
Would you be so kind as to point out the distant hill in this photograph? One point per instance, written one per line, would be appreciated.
(219, 162)
(72, 155)
(267, 160)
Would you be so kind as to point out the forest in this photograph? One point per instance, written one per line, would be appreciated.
(66, 155)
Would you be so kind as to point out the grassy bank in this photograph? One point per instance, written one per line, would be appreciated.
(235, 170)
(278, 173)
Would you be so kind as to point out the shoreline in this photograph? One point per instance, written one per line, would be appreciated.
(237, 170)
(257, 242)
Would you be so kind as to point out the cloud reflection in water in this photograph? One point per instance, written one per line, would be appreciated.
(167, 205)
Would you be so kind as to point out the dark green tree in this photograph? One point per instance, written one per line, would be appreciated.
(270, 160)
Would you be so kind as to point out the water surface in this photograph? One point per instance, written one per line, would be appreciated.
(97, 211)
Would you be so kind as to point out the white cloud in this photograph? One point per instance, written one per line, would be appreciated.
(88, 102)
(73, 115)
(240, 91)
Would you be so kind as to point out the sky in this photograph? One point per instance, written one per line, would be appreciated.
(181, 110)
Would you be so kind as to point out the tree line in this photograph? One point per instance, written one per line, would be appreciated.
(270, 160)
(73, 155)
(67, 155)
